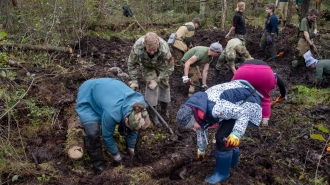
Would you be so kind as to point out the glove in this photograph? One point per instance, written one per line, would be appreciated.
(200, 154)
(117, 158)
(280, 99)
(133, 85)
(130, 151)
(270, 39)
(205, 87)
(216, 73)
(227, 36)
(152, 84)
(232, 140)
(297, 7)
(312, 36)
(264, 122)
(311, 47)
(185, 79)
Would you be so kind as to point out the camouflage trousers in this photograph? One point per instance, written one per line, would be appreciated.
(264, 43)
(160, 93)
(178, 55)
(195, 77)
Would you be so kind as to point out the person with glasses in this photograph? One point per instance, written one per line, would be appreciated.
(308, 31)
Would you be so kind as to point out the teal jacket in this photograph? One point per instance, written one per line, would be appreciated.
(107, 101)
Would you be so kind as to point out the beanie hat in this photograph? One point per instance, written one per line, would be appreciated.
(185, 117)
(309, 59)
(138, 120)
(216, 47)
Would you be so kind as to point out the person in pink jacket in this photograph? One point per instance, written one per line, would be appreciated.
(260, 75)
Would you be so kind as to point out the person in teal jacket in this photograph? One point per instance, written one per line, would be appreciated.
(106, 102)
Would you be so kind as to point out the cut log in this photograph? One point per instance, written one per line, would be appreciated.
(37, 47)
(75, 138)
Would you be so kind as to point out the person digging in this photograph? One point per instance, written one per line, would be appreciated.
(153, 55)
(322, 68)
(234, 105)
(102, 104)
(195, 57)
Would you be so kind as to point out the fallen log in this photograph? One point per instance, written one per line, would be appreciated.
(37, 47)
(75, 138)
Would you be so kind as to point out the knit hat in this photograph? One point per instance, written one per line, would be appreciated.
(309, 59)
(216, 47)
(185, 117)
(138, 120)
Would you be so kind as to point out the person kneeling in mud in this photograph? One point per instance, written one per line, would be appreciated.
(234, 105)
(101, 105)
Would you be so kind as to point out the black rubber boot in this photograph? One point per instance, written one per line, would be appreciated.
(164, 109)
(97, 159)
(155, 118)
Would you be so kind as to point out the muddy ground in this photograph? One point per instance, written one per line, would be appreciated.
(282, 153)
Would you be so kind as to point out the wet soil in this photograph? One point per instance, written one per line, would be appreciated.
(277, 154)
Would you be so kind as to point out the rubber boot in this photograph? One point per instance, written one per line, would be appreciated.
(97, 159)
(164, 109)
(234, 160)
(155, 118)
(223, 162)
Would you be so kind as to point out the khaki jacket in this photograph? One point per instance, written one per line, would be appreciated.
(186, 31)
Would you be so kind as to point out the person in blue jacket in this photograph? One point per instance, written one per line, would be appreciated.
(101, 105)
(270, 32)
(234, 105)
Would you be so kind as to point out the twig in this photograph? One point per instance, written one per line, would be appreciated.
(20, 137)
(18, 100)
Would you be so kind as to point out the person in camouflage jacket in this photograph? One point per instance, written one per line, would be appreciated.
(235, 49)
(153, 55)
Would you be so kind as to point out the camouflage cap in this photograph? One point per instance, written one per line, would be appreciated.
(138, 120)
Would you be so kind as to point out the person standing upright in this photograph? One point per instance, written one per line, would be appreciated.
(283, 11)
(238, 22)
(270, 32)
(153, 56)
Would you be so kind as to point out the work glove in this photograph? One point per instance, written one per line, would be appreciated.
(264, 122)
(312, 36)
(117, 160)
(270, 39)
(205, 87)
(200, 154)
(227, 36)
(130, 151)
(216, 73)
(185, 79)
(133, 85)
(311, 47)
(297, 7)
(232, 140)
(152, 84)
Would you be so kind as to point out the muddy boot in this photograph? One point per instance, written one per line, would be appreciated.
(222, 166)
(155, 118)
(164, 109)
(235, 157)
(97, 159)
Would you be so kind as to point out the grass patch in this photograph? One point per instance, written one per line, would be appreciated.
(310, 96)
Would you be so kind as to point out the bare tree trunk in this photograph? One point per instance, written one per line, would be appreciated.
(224, 13)
(185, 5)
(75, 138)
(304, 9)
(289, 16)
(16, 3)
(318, 5)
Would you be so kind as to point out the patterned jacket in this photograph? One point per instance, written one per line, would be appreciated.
(223, 102)
(162, 60)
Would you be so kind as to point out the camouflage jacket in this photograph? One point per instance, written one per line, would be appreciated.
(184, 36)
(235, 49)
(162, 60)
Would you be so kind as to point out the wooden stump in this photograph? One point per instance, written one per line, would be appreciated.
(75, 138)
